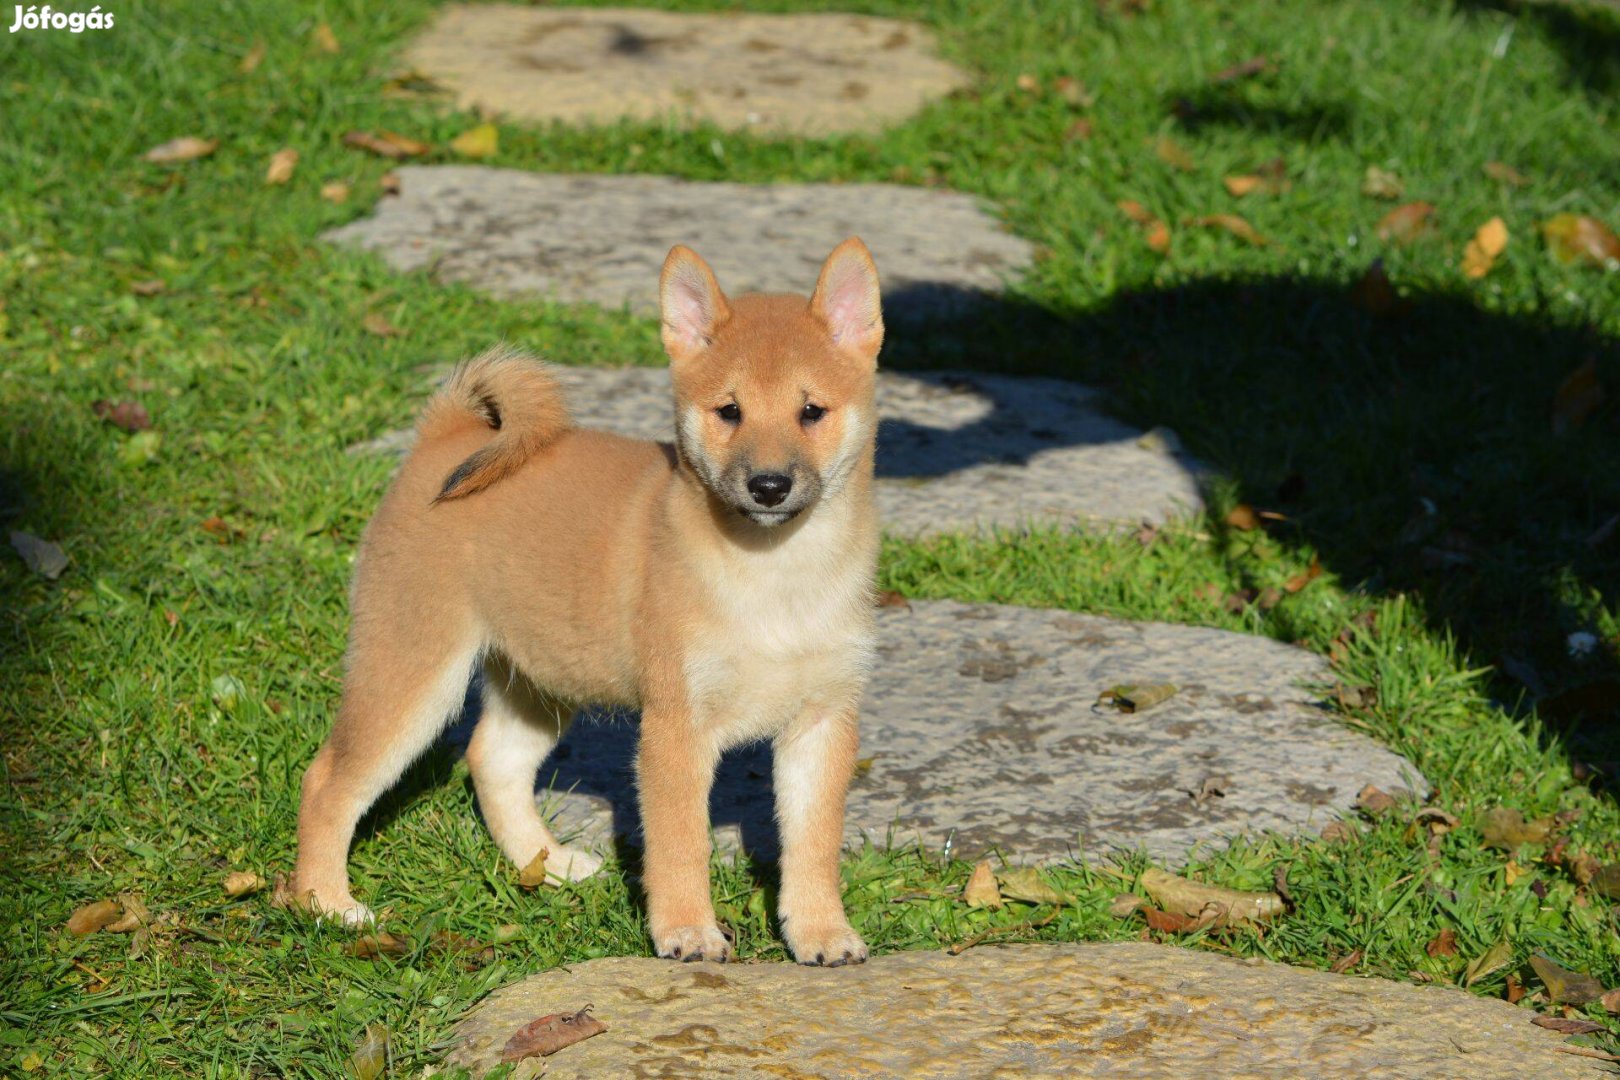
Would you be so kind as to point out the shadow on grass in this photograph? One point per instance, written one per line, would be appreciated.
(1586, 32)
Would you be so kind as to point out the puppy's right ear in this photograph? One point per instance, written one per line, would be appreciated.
(690, 302)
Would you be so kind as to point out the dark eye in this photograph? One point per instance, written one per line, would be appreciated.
(730, 413)
(812, 413)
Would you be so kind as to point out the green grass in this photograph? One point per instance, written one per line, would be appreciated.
(123, 773)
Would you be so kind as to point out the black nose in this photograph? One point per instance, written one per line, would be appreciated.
(768, 489)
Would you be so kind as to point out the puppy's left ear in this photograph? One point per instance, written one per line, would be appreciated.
(847, 299)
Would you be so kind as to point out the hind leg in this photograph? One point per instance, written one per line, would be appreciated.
(519, 727)
(401, 688)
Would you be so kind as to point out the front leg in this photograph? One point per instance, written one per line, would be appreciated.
(674, 772)
(815, 758)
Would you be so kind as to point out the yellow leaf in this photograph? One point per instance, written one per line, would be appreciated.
(1239, 186)
(282, 164)
(1223, 907)
(479, 142)
(335, 192)
(1234, 225)
(1489, 242)
(1574, 238)
(1026, 884)
(981, 888)
(1512, 872)
(242, 882)
(185, 148)
(533, 875)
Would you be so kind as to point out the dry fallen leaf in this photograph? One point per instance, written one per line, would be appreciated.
(185, 148)
(1073, 91)
(1255, 65)
(1381, 184)
(479, 142)
(1230, 906)
(1565, 1026)
(1505, 173)
(1444, 944)
(148, 286)
(1492, 959)
(370, 1055)
(1154, 231)
(1243, 516)
(252, 58)
(981, 890)
(1173, 154)
(1577, 397)
(1239, 186)
(243, 882)
(1489, 241)
(1081, 129)
(1606, 882)
(533, 875)
(1136, 211)
(128, 416)
(335, 192)
(324, 39)
(1135, 699)
(373, 946)
(376, 323)
(549, 1034)
(891, 599)
(1407, 223)
(1565, 987)
(1611, 1002)
(388, 144)
(94, 916)
(1575, 238)
(1235, 225)
(1026, 884)
(1504, 827)
(1339, 832)
(1028, 83)
(1305, 576)
(135, 915)
(282, 164)
(1173, 922)
(1374, 801)
(1346, 962)
(41, 556)
(389, 183)
(1124, 905)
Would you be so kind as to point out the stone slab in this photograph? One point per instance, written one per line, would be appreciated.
(795, 74)
(982, 732)
(1134, 1010)
(602, 239)
(957, 451)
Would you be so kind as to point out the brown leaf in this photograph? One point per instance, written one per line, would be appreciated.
(1606, 882)
(1507, 174)
(1339, 832)
(1444, 943)
(241, 882)
(1173, 922)
(1173, 154)
(185, 148)
(1028, 83)
(1345, 963)
(1583, 868)
(1489, 241)
(1513, 989)
(282, 164)
(94, 916)
(1611, 1002)
(1505, 828)
(1234, 225)
(335, 192)
(1565, 987)
(148, 286)
(1073, 91)
(1135, 699)
(1408, 223)
(1124, 905)
(1025, 883)
(1492, 959)
(389, 183)
(130, 416)
(549, 1034)
(1574, 238)
(1381, 184)
(1136, 211)
(1239, 186)
(252, 58)
(1154, 231)
(217, 526)
(324, 39)
(388, 144)
(1242, 516)
(1080, 129)
(1566, 1026)
(1374, 802)
(981, 890)
(376, 323)
(1254, 65)
(373, 946)
(1231, 907)
(533, 875)
(892, 599)
(1577, 397)
(1305, 576)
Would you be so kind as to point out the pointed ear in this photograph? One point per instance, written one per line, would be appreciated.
(690, 303)
(848, 301)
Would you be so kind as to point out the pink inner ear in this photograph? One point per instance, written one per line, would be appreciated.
(849, 302)
(689, 309)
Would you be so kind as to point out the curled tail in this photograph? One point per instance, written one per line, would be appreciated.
(502, 389)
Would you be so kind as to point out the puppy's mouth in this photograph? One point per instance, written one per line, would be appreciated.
(768, 517)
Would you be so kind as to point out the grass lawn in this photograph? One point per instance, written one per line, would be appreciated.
(161, 698)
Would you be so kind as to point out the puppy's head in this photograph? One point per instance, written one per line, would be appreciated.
(773, 394)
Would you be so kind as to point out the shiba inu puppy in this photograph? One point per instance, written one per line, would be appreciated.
(723, 586)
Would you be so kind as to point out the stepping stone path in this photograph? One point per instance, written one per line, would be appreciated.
(799, 74)
(980, 730)
(602, 239)
(1148, 1012)
(956, 450)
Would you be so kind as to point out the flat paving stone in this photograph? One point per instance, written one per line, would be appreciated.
(584, 237)
(1136, 1010)
(793, 74)
(957, 451)
(980, 730)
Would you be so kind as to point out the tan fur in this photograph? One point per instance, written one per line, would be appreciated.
(578, 566)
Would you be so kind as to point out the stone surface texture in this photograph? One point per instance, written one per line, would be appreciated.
(798, 74)
(602, 239)
(982, 731)
(956, 451)
(1136, 1011)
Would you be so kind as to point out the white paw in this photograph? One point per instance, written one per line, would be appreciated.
(569, 864)
(826, 945)
(689, 943)
(348, 911)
